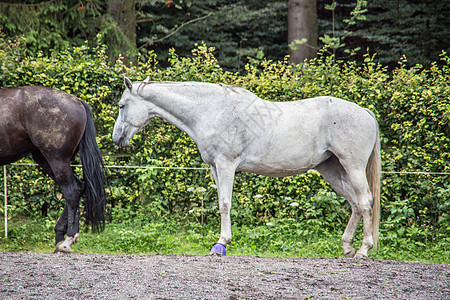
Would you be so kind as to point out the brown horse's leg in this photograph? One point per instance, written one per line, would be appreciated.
(68, 223)
(61, 225)
(72, 188)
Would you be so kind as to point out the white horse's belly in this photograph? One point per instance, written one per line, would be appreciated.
(285, 162)
(274, 171)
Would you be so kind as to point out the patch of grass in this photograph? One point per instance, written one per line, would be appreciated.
(169, 236)
(25, 234)
(150, 238)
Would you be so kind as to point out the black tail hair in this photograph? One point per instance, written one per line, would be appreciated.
(93, 175)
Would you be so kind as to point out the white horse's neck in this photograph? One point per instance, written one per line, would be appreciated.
(182, 104)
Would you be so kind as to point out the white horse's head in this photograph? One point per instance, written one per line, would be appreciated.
(134, 114)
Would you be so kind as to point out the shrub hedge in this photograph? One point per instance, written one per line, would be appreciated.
(411, 104)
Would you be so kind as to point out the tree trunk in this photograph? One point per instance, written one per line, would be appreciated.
(302, 24)
(123, 13)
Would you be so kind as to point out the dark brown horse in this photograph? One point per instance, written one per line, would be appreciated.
(53, 126)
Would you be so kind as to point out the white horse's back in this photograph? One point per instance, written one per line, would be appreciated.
(287, 138)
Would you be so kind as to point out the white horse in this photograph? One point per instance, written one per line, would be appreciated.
(237, 131)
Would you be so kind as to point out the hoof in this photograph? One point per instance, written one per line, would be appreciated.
(350, 253)
(218, 249)
(66, 245)
(75, 238)
(63, 247)
(361, 256)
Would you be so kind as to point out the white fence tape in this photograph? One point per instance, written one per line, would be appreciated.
(195, 168)
(126, 167)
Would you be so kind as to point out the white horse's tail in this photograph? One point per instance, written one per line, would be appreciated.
(373, 173)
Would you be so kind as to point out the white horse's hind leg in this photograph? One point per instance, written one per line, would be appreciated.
(367, 243)
(333, 172)
(363, 206)
(349, 234)
(350, 181)
(224, 177)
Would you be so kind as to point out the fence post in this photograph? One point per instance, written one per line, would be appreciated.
(5, 190)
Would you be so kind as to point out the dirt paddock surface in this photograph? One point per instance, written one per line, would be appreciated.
(91, 276)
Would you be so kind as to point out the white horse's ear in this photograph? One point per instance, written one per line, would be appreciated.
(147, 80)
(128, 83)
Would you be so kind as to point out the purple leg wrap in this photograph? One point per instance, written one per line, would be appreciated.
(218, 249)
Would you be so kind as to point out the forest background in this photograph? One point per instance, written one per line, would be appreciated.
(389, 56)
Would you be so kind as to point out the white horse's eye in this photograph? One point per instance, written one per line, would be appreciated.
(121, 105)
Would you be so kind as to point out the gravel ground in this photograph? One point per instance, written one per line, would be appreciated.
(92, 276)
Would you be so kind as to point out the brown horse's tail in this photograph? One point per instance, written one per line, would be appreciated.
(373, 173)
(93, 175)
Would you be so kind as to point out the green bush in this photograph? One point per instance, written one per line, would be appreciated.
(411, 104)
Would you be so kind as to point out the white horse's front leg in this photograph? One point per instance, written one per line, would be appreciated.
(224, 178)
